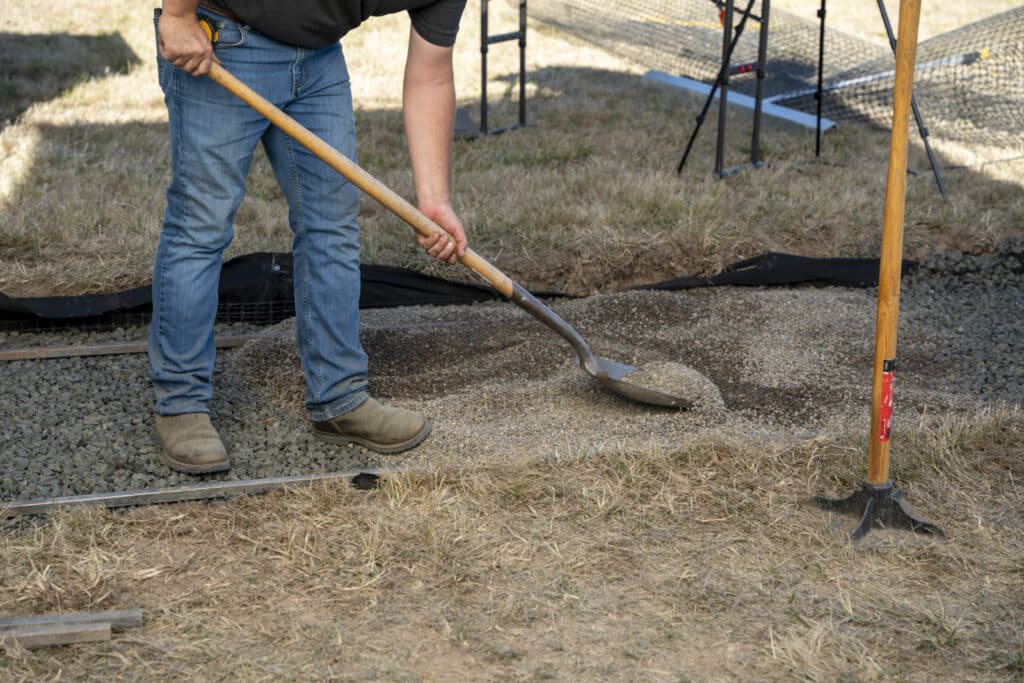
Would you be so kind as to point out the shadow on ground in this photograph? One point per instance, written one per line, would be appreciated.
(38, 67)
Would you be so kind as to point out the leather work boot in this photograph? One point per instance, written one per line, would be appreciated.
(191, 444)
(375, 426)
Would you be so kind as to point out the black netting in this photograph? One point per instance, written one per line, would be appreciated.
(260, 313)
(969, 82)
(386, 286)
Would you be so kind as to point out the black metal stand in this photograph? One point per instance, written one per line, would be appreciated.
(762, 72)
(730, 38)
(819, 93)
(921, 128)
(464, 126)
(728, 45)
(879, 505)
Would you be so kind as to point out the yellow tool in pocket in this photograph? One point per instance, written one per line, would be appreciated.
(210, 29)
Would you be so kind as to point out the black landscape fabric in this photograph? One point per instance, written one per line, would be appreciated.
(261, 278)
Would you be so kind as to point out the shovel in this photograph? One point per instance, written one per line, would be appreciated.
(607, 372)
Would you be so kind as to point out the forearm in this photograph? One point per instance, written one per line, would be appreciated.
(428, 104)
(180, 8)
(428, 100)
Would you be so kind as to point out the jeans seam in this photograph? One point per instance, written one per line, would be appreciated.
(177, 144)
(296, 82)
(300, 227)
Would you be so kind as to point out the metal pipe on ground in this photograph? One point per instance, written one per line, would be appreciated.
(363, 479)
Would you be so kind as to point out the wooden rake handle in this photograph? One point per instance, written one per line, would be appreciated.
(357, 176)
(891, 259)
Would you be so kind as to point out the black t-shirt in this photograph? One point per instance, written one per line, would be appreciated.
(318, 23)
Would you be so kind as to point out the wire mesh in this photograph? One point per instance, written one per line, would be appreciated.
(260, 313)
(969, 82)
(685, 37)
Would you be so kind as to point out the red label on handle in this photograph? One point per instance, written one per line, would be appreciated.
(885, 410)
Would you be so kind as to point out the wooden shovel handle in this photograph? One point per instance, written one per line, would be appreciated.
(892, 244)
(356, 175)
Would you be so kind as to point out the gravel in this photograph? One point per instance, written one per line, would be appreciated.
(792, 362)
(680, 381)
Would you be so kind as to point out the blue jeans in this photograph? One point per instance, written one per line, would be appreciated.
(213, 137)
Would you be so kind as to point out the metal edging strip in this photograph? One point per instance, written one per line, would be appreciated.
(191, 492)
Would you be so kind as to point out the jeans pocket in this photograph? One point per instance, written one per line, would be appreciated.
(164, 70)
(229, 33)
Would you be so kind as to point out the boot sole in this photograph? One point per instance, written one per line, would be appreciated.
(195, 469)
(410, 443)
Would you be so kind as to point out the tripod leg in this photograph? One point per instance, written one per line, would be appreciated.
(762, 56)
(921, 128)
(723, 104)
(483, 66)
(819, 94)
(522, 62)
(696, 128)
(714, 88)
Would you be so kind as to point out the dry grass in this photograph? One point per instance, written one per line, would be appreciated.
(700, 564)
(584, 201)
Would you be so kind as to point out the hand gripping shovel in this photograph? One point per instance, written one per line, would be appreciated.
(607, 372)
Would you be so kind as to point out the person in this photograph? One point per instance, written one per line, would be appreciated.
(288, 52)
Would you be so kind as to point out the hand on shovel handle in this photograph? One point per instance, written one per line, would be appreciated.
(186, 42)
(447, 246)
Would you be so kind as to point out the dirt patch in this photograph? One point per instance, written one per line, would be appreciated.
(499, 386)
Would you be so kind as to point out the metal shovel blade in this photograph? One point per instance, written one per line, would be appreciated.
(609, 373)
(613, 374)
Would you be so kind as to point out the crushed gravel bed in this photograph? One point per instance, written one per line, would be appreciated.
(787, 362)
